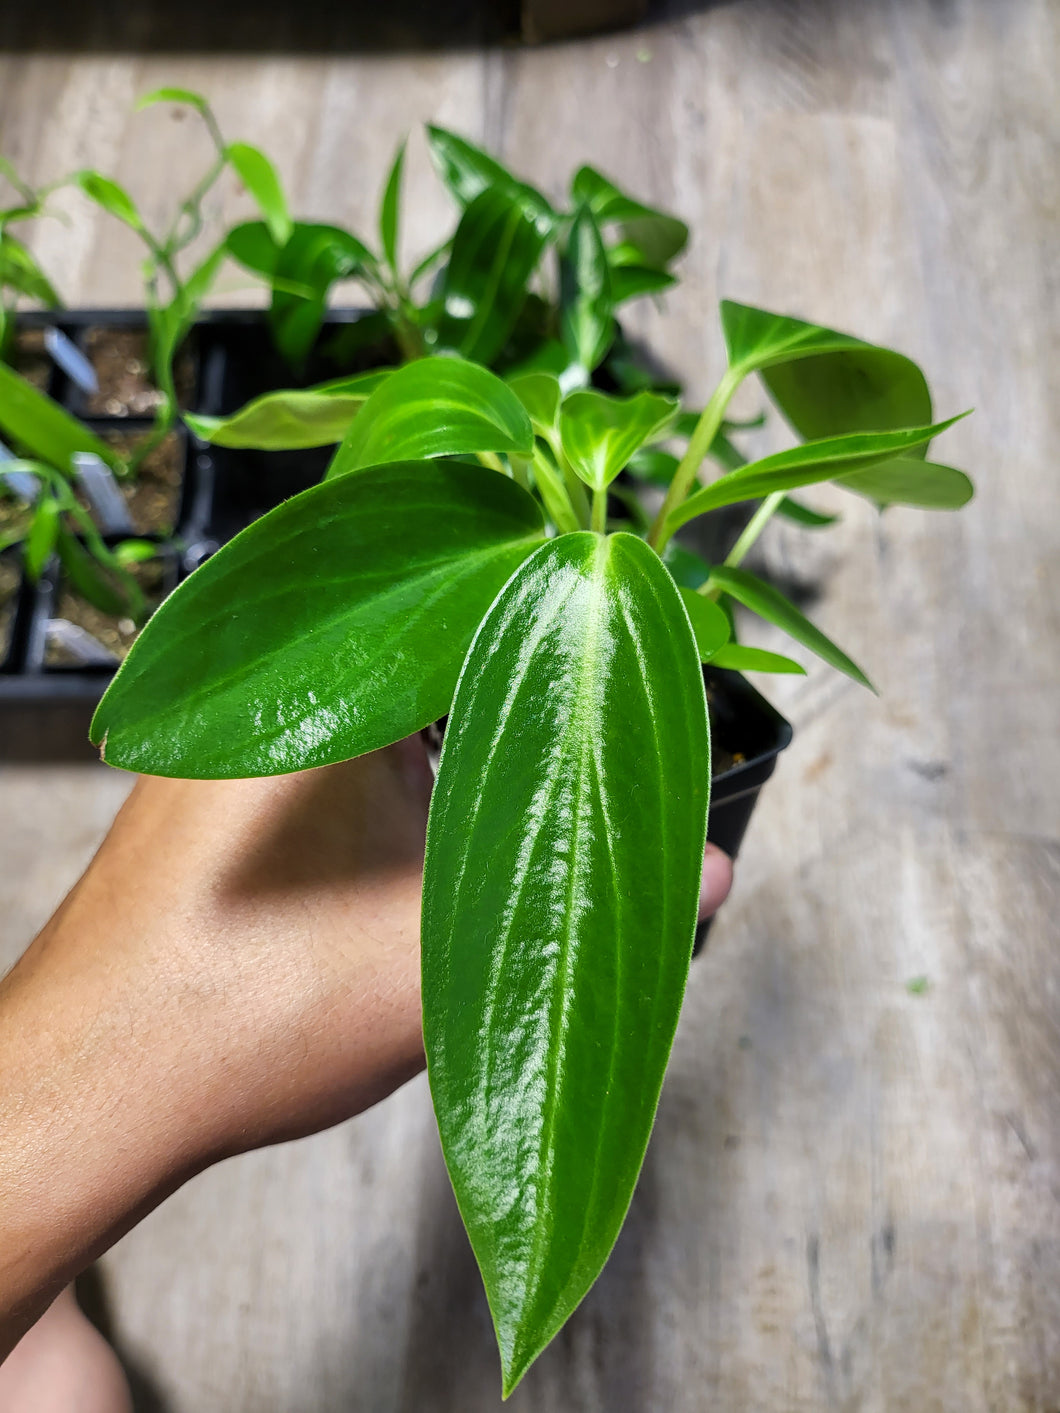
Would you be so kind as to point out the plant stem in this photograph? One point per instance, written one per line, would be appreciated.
(554, 494)
(599, 517)
(751, 531)
(698, 446)
(754, 527)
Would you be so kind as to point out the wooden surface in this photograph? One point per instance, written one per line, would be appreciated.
(852, 1198)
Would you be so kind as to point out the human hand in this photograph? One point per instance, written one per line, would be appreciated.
(238, 966)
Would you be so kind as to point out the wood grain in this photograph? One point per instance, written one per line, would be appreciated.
(852, 1198)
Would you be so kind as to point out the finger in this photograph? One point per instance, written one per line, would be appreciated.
(717, 880)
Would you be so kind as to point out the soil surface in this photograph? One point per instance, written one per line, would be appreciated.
(153, 496)
(121, 361)
(30, 358)
(117, 635)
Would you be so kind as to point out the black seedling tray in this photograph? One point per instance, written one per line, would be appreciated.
(45, 710)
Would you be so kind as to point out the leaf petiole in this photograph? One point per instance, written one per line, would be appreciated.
(698, 446)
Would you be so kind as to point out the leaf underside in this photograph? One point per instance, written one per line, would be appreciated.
(560, 896)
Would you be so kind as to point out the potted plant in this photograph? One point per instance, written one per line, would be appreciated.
(121, 377)
(497, 548)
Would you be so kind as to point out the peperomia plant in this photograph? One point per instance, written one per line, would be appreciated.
(467, 557)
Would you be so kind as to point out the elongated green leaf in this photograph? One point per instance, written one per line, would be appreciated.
(687, 569)
(172, 95)
(42, 426)
(390, 209)
(113, 198)
(295, 418)
(315, 256)
(764, 599)
(710, 624)
(351, 626)
(907, 481)
(651, 237)
(652, 464)
(89, 578)
(435, 407)
(632, 281)
(739, 658)
(468, 171)
(825, 382)
(251, 246)
(586, 318)
(20, 271)
(794, 510)
(601, 433)
(831, 459)
(576, 763)
(541, 395)
(496, 249)
(465, 168)
(41, 538)
(261, 180)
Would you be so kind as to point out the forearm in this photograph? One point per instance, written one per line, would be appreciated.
(239, 966)
(97, 1123)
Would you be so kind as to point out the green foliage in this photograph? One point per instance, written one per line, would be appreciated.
(548, 1013)
(38, 425)
(600, 433)
(259, 177)
(294, 418)
(497, 246)
(434, 407)
(489, 544)
(300, 677)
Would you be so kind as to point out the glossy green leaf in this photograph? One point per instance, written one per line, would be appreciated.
(38, 423)
(435, 407)
(651, 237)
(292, 419)
(907, 481)
(632, 281)
(315, 256)
(496, 249)
(770, 603)
(251, 245)
(390, 209)
(88, 578)
(541, 395)
(173, 95)
(794, 510)
(468, 171)
(561, 884)
(351, 626)
(650, 463)
(831, 459)
(710, 624)
(825, 382)
(739, 658)
(41, 538)
(687, 569)
(113, 198)
(586, 320)
(600, 433)
(262, 181)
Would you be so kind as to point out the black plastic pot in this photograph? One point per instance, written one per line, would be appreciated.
(754, 733)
